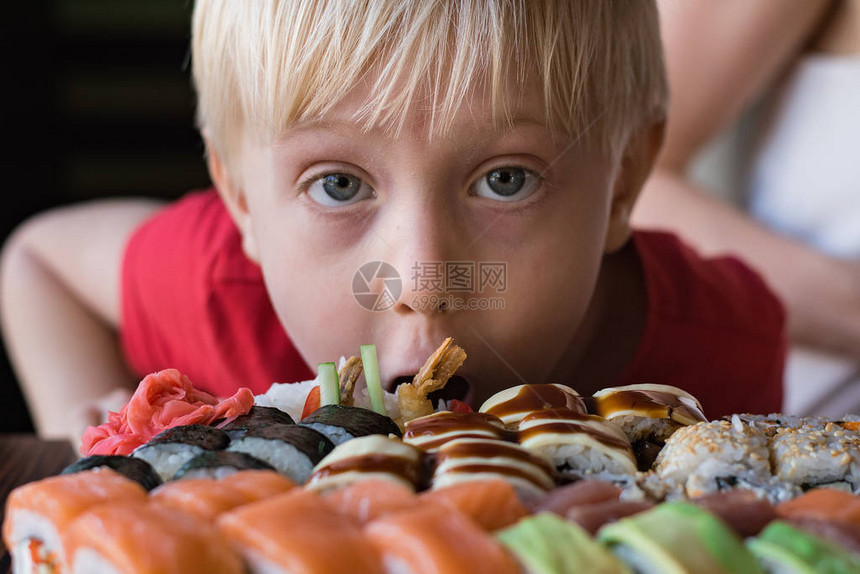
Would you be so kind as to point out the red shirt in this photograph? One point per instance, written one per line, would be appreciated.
(192, 300)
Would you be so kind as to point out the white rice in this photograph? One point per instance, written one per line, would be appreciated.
(816, 456)
(291, 397)
(288, 397)
(362, 399)
(287, 459)
(638, 428)
(335, 434)
(586, 458)
(697, 456)
(28, 525)
(167, 458)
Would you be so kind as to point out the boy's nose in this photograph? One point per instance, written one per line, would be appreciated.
(431, 262)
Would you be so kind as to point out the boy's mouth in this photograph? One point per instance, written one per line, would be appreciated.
(457, 387)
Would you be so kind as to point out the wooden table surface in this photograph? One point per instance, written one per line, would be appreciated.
(23, 459)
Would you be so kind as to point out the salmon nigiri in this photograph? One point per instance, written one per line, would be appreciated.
(432, 538)
(298, 533)
(38, 512)
(146, 538)
(370, 499)
(492, 504)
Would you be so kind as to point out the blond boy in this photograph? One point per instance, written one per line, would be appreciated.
(418, 134)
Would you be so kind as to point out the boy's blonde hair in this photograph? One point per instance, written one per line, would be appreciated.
(266, 64)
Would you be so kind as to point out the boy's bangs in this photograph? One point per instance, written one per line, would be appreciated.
(267, 65)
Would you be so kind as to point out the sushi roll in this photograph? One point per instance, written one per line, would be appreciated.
(257, 417)
(368, 457)
(207, 498)
(648, 414)
(145, 538)
(172, 448)
(547, 544)
(707, 457)
(468, 459)
(220, 463)
(579, 445)
(492, 504)
(341, 423)
(783, 548)
(808, 457)
(513, 404)
(678, 538)
(432, 539)
(39, 512)
(136, 469)
(432, 431)
(298, 532)
(774, 422)
(293, 450)
(371, 498)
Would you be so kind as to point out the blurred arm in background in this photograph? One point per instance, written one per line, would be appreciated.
(60, 309)
(721, 55)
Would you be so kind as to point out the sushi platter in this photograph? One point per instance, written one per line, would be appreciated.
(331, 476)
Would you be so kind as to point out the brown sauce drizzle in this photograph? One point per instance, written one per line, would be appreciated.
(535, 398)
(491, 449)
(453, 422)
(402, 467)
(569, 422)
(654, 404)
(437, 443)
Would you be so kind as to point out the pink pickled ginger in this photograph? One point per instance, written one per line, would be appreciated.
(163, 400)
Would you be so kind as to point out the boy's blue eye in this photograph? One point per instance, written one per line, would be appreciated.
(338, 189)
(340, 186)
(507, 184)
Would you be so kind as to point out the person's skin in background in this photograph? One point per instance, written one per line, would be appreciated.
(328, 196)
(720, 57)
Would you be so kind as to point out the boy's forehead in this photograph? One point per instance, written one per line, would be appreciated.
(522, 106)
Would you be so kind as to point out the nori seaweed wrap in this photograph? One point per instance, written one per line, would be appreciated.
(172, 448)
(136, 469)
(256, 417)
(220, 463)
(341, 423)
(293, 450)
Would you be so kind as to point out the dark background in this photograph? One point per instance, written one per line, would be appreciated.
(96, 102)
